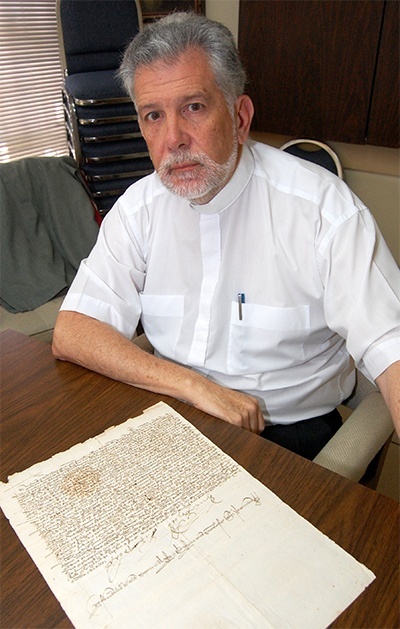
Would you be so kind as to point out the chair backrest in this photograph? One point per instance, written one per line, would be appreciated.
(316, 152)
(94, 33)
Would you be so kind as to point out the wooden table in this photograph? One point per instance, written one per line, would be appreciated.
(47, 406)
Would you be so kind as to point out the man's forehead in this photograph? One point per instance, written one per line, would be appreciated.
(190, 69)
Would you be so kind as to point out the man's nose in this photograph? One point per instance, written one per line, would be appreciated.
(176, 134)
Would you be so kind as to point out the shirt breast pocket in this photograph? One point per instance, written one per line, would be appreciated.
(267, 338)
(162, 321)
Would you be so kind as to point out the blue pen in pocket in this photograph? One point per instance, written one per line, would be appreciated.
(241, 300)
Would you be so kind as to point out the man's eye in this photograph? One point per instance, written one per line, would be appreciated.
(152, 116)
(195, 107)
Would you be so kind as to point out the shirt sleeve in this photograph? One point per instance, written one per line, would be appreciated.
(108, 282)
(362, 291)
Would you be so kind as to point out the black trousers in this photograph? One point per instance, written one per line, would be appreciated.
(306, 437)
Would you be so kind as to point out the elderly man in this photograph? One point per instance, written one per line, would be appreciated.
(257, 277)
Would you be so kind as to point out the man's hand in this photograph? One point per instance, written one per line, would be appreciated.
(232, 406)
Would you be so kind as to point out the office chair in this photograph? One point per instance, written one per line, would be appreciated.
(358, 449)
(101, 122)
(316, 152)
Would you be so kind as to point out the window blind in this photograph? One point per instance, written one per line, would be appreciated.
(31, 111)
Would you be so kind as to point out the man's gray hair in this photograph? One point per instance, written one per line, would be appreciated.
(170, 37)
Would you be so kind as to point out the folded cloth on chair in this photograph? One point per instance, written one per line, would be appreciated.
(47, 227)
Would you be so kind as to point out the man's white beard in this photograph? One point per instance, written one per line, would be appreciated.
(202, 184)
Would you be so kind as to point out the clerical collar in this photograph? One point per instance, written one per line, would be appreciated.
(233, 188)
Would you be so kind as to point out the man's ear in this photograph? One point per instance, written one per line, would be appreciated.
(244, 116)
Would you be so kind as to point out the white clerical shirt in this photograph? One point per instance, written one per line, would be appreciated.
(269, 288)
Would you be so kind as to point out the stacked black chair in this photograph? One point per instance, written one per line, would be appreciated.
(101, 121)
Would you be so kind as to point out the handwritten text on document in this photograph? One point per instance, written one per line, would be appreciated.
(152, 525)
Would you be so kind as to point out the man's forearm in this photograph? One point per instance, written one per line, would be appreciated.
(389, 385)
(97, 346)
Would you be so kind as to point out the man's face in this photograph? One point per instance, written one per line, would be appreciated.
(191, 134)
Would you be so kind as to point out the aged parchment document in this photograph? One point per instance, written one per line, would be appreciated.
(150, 525)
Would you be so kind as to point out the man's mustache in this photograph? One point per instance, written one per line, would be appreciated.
(181, 158)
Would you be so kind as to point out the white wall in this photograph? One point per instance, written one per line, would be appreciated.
(225, 11)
